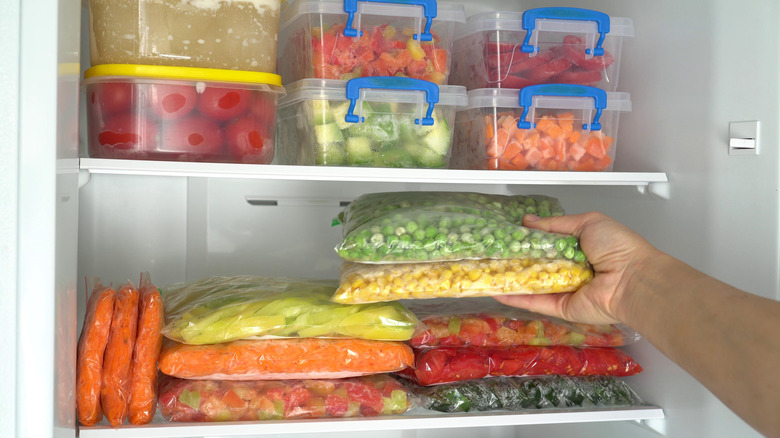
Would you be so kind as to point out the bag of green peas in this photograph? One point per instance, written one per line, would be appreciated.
(418, 226)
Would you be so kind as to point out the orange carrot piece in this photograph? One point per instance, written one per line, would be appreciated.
(91, 348)
(512, 149)
(519, 162)
(143, 384)
(574, 136)
(115, 392)
(554, 130)
(533, 156)
(566, 122)
(595, 147)
(506, 165)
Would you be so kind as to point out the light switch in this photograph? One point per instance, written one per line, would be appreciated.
(743, 138)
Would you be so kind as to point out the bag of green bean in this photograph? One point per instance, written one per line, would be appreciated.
(399, 227)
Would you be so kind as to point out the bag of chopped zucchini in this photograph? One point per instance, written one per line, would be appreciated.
(520, 393)
(369, 283)
(222, 309)
(437, 226)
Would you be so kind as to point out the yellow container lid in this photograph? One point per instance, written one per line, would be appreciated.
(183, 73)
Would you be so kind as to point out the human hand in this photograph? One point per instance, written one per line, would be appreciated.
(615, 252)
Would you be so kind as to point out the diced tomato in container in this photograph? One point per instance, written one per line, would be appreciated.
(319, 39)
(563, 129)
(181, 114)
(564, 45)
(394, 124)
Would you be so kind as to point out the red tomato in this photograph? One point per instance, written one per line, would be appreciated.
(128, 132)
(295, 398)
(111, 97)
(194, 135)
(248, 141)
(223, 103)
(369, 397)
(336, 406)
(573, 49)
(172, 101)
(547, 70)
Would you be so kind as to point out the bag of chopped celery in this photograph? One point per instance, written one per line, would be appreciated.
(484, 322)
(436, 226)
(222, 309)
(369, 283)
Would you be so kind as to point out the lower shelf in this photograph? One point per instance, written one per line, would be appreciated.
(421, 419)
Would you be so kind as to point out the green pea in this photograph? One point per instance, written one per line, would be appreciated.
(388, 230)
(418, 235)
(411, 227)
(569, 253)
(431, 231)
(392, 241)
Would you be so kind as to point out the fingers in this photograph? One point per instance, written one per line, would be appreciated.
(567, 224)
(546, 304)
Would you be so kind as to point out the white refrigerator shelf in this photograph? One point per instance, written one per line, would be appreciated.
(367, 174)
(430, 420)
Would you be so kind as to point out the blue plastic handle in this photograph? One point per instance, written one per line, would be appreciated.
(568, 90)
(392, 83)
(429, 11)
(530, 16)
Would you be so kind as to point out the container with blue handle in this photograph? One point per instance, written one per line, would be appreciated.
(347, 39)
(553, 127)
(539, 46)
(382, 121)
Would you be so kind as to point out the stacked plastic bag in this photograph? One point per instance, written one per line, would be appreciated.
(258, 348)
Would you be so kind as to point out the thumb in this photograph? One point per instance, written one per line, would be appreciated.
(568, 224)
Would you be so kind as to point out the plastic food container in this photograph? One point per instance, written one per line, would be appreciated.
(181, 114)
(332, 39)
(538, 46)
(541, 127)
(369, 122)
(224, 34)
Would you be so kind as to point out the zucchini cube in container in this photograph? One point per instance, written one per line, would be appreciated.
(223, 34)
(181, 114)
(538, 46)
(559, 127)
(368, 122)
(331, 39)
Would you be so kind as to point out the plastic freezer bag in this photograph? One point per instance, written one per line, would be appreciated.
(453, 364)
(484, 322)
(221, 400)
(367, 283)
(222, 309)
(439, 226)
(294, 358)
(523, 393)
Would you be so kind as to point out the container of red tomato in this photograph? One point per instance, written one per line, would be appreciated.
(558, 127)
(539, 46)
(332, 39)
(181, 114)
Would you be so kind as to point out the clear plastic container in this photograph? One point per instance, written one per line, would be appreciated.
(369, 122)
(413, 38)
(541, 127)
(223, 34)
(180, 113)
(538, 46)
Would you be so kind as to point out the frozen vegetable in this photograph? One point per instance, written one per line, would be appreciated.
(117, 361)
(520, 393)
(91, 347)
(368, 283)
(143, 384)
(556, 143)
(483, 322)
(382, 50)
(221, 309)
(220, 400)
(387, 137)
(437, 226)
(453, 364)
(295, 358)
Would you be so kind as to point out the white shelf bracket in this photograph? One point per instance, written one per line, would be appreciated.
(85, 176)
(659, 189)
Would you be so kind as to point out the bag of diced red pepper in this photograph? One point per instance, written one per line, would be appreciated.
(217, 400)
(455, 323)
(453, 364)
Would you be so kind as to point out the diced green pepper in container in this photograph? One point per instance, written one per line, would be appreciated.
(222, 309)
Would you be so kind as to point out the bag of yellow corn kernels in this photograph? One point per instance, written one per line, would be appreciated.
(400, 227)
(368, 283)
